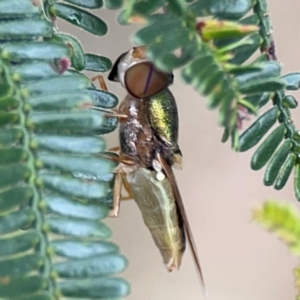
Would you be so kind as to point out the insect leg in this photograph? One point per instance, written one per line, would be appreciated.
(114, 213)
(101, 81)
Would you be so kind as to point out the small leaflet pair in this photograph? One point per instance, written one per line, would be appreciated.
(148, 149)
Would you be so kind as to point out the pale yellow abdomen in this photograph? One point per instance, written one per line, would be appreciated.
(157, 204)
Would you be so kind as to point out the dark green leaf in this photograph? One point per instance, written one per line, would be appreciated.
(103, 99)
(81, 122)
(18, 244)
(12, 156)
(62, 84)
(99, 288)
(21, 286)
(103, 265)
(8, 118)
(225, 9)
(25, 29)
(80, 18)
(74, 144)
(14, 197)
(292, 81)
(77, 57)
(87, 3)
(177, 6)
(267, 148)
(15, 220)
(69, 101)
(266, 70)
(258, 129)
(78, 228)
(243, 52)
(276, 163)
(113, 4)
(289, 102)
(285, 171)
(261, 86)
(77, 249)
(46, 51)
(157, 31)
(97, 63)
(21, 265)
(13, 174)
(75, 187)
(109, 125)
(74, 208)
(34, 71)
(19, 8)
(297, 181)
(98, 168)
(11, 136)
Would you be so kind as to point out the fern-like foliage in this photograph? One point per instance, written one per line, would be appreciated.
(284, 221)
(54, 186)
(279, 150)
(214, 44)
(211, 52)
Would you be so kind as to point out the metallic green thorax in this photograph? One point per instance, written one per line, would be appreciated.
(163, 117)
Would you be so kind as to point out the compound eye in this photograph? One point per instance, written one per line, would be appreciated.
(143, 80)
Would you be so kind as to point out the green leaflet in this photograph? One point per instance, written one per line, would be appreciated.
(103, 99)
(14, 197)
(113, 4)
(289, 102)
(225, 10)
(107, 264)
(48, 117)
(292, 81)
(17, 244)
(24, 29)
(8, 118)
(285, 171)
(244, 52)
(258, 129)
(77, 57)
(69, 101)
(83, 166)
(77, 249)
(87, 3)
(13, 174)
(15, 220)
(80, 18)
(12, 156)
(33, 71)
(267, 148)
(22, 286)
(78, 228)
(282, 219)
(38, 296)
(297, 181)
(21, 265)
(18, 8)
(80, 122)
(276, 163)
(69, 144)
(74, 208)
(25, 51)
(101, 288)
(62, 84)
(97, 63)
(75, 187)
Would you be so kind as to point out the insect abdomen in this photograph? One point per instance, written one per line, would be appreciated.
(157, 204)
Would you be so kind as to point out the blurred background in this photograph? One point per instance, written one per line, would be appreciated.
(240, 260)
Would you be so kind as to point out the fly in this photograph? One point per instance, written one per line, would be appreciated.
(148, 149)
